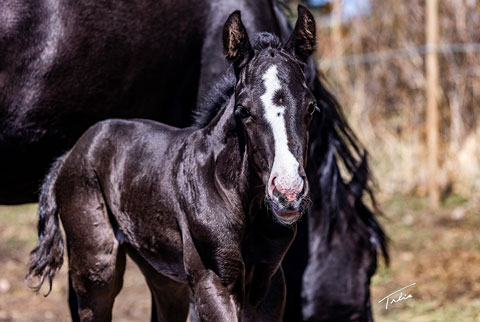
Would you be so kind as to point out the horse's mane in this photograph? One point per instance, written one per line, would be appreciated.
(342, 202)
(219, 94)
(213, 100)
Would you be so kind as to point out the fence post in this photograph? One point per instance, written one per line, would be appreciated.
(338, 41)
(432, 117)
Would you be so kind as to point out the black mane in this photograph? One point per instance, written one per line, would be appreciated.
(218, 95)
(213, 100)
(343, 202)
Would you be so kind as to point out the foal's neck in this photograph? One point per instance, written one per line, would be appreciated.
(233, 171)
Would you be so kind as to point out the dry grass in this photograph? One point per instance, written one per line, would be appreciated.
(385, 99)
(439, 250)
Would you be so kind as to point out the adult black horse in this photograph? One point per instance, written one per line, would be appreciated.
(66, 65)
(211, 208)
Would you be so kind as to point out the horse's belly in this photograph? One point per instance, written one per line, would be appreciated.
(159, 244)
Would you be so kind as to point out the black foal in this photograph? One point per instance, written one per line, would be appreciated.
(214, 207)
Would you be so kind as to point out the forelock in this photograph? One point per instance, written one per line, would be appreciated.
(264, 40)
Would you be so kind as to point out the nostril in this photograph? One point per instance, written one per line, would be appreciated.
(272, 182)
(271, 187)
(303, 192)
(277, 194)
(301, 184)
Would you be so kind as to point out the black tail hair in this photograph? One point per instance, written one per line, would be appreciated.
(47, 258)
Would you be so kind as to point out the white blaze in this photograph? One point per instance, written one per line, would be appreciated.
(285, 166)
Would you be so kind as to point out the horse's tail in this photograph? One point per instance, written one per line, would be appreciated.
(47, 258)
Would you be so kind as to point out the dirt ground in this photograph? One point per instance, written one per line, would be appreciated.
(18, 303)
(437, 250)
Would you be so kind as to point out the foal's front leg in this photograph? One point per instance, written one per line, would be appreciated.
(266, 246)
(215, 299)
(272, 305)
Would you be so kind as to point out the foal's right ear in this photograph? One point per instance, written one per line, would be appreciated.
(236, 45)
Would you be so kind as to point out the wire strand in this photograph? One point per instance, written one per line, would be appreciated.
(398, 53)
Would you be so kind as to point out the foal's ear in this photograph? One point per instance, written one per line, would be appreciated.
(236, 45)
(303, 40)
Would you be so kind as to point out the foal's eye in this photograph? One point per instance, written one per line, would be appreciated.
(312, 107)
(242, 112)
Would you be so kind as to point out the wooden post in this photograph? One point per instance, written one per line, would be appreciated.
(338, 42)
(337, 36)
(432, 100)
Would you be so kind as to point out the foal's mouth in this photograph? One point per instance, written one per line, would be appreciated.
(286, 215)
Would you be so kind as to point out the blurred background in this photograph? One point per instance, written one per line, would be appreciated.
(407, 74)
(374, 55)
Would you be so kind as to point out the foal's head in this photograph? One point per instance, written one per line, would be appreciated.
(274, 107)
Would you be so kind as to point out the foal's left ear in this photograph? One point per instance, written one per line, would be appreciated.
(236, 45)
(303, 40)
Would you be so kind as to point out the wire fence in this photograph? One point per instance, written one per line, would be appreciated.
(399, 53)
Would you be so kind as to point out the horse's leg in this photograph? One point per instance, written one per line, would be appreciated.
(272, 306)
(293, 266)
(170, 299)
(96, 286)
(192, 314)
(154, 315)
(72, 297)
(96, 259)
(266, 287)
(72, 301)
(214, 301)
